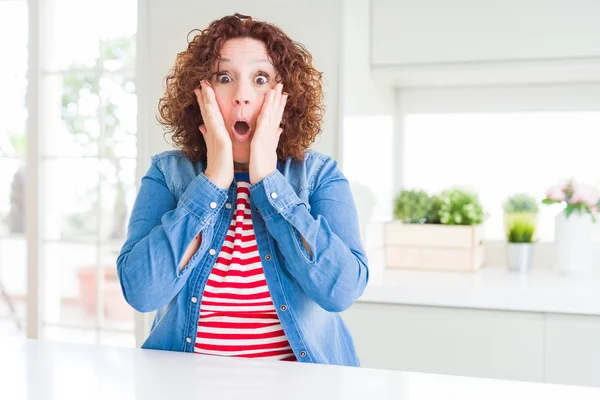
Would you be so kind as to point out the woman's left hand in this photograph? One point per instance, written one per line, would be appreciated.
(263, 149)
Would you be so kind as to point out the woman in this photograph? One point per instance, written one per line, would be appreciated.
(245, 241)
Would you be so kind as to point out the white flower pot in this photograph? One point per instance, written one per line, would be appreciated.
(520, 256)
(573, 242)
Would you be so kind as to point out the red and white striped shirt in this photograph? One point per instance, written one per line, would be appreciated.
(237, 314)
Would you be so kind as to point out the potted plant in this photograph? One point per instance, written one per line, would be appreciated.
(520, 224)
(412, 206)
(442, 231)
(520, 203)
(115, 307)
(574, 224)
(459, 207)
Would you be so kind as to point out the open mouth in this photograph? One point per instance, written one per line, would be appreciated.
(241, 127)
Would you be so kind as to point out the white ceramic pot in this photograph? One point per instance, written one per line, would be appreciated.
(573, 242)
(519, 256)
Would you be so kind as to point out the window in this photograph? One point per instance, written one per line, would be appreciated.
(13, 114)
(88, 113)
(498, 154)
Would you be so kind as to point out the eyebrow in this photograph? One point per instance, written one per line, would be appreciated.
(255, 61)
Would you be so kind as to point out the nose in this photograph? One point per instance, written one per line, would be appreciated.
(243, 94)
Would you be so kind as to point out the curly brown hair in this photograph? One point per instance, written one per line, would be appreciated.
(179, 110)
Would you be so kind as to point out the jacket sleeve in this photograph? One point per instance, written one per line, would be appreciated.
(334, 273)
(160, 230)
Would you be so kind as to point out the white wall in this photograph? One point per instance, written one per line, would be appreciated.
(438, 31)
(367, 110)
(360, 94)
(480, 42)
(164, 25)
(505, 98)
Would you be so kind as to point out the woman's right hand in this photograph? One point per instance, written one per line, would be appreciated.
(219, 163)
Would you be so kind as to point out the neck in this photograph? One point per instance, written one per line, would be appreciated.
(239, 167)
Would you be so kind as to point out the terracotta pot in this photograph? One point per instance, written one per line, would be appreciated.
(115, 306)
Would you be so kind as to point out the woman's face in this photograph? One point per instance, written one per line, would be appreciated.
(244, 76)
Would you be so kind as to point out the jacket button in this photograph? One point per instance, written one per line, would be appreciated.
(283, 308)
(273, 195)
(212, 252)
(194, 299)
(187, 339)
(268, 257)
(228, 206)
(213, 205)
(302, 354)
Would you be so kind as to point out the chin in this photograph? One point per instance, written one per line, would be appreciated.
(241, 158)
(241, 155)
(241, 161)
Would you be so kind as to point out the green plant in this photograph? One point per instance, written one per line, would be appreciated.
(412, 206)
(433, 216)
(460, 207)
(520, 202)
(520, 227)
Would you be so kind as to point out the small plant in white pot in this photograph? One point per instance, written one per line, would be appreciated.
(520, 224)
(574, 224)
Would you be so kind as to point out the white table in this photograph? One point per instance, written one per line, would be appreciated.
(47, 370)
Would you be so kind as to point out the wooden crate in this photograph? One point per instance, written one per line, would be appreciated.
(433, 247)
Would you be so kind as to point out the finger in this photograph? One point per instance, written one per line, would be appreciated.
(209, 94)
(198, 93)
(203, 129)
(281, 108)
(264, 111)
(277, 97)
(212, 112)
(270, 101)
(201, 101)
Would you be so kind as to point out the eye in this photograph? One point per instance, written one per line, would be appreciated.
(223, 78)
(261, 79)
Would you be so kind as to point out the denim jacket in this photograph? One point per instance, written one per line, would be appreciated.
(309, 199)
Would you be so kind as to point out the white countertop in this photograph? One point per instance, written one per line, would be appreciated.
(46, 370)
(488, 288)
